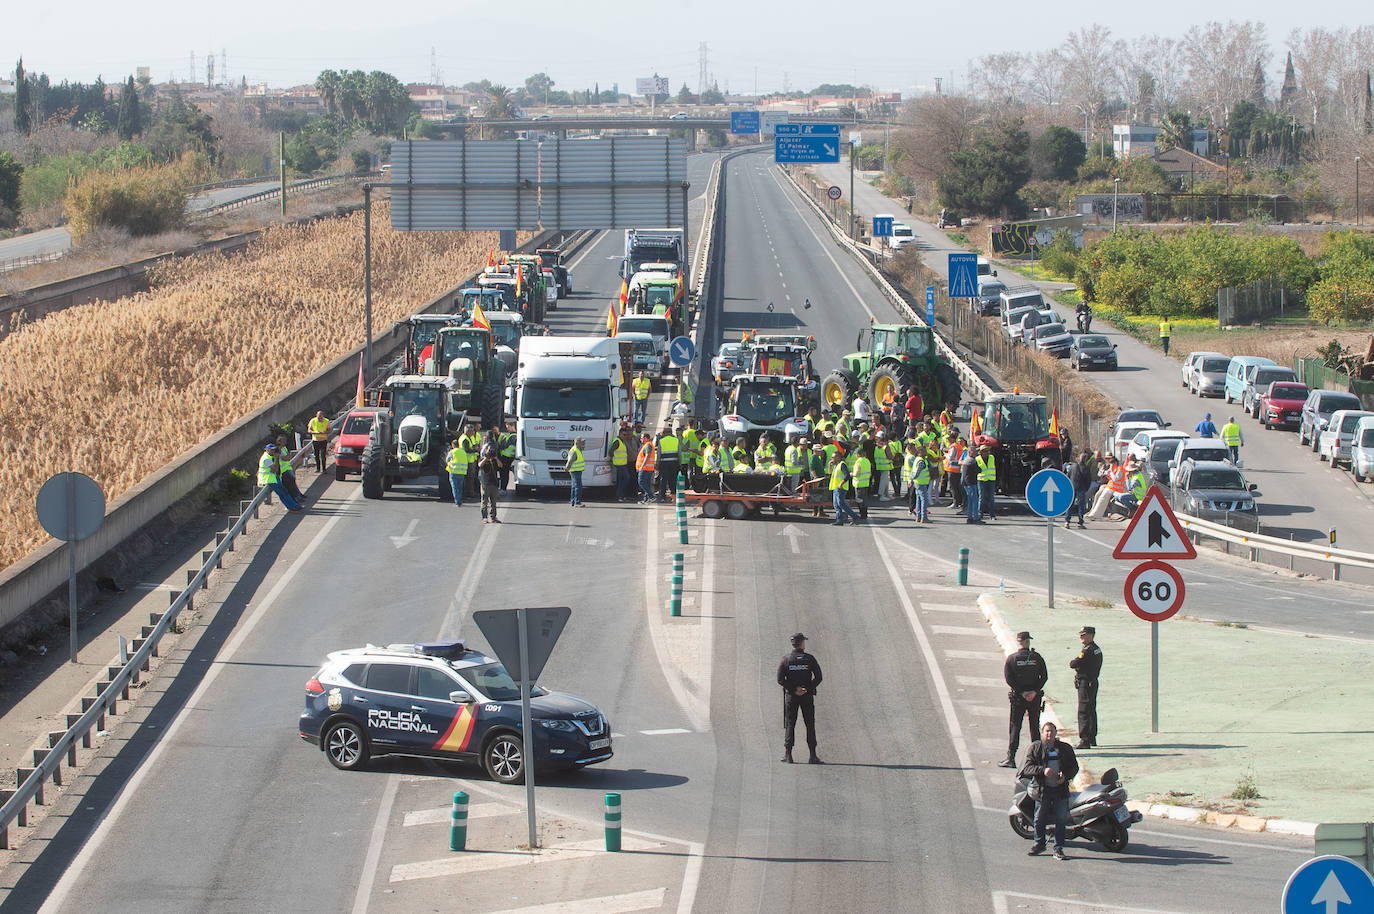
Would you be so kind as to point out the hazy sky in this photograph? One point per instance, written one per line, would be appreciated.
(889, 45)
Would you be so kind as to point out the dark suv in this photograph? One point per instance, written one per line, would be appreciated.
(1216, 491)
(443, 700)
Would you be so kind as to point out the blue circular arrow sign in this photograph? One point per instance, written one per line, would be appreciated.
(1049, 493)
(1329, 885)
(681, 351)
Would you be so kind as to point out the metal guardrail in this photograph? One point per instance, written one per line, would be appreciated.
(47, 763)
(275, 193)
(967, 376)
(231, 182)
(1256, 542)
(18, 263)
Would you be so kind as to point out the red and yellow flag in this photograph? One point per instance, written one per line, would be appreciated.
(491, 258)
(624, 294)
(677, 294)
(612, 319)
(519, 285)
(479, 319)
(1054, 423)
(976, 426)
(361, 398)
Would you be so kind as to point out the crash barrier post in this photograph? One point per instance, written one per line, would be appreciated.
(963, 566)
(675, 600)
(612, 821)
(458, 824)
(681, 510)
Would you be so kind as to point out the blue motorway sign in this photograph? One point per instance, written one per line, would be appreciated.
(744, 122)
(1329, 885)
(882, 226)
(681, 351)
(805, 150)
(807, 130)
(963, 275)
(1049, 493)
(930, 306)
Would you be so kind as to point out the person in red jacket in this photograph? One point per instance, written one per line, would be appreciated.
(915, 407)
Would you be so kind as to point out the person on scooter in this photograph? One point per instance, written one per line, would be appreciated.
(1085, 317)
(1052, 765)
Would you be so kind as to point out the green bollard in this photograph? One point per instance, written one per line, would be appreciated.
(675, 599)
(963, 565)
(458, 826)
(612, 822)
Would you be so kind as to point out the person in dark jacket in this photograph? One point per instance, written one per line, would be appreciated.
(799, 674)
(1081, 478)
(1087, 666)
(968, 478)
(1026, 674)
(1051, 764)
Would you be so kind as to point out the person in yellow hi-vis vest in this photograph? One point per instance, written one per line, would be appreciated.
(457, 466)
(987, 482)
(269, 477)
(642, 384)
(1165, 330)
(319, 438)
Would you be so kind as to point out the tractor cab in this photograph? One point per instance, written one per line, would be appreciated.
(421, 329)
(904, 343)
(1017, 427)
(762, 403)
(459, 349)
(490, 299)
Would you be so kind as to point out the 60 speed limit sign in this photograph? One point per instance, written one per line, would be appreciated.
(1154, 591)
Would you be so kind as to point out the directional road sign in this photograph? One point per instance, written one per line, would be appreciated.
(807, 130)
(502, 630)
(681, 351)
(930, 306)
(834, 192)
(70, 506)
(1049, 493)
(1154, 532)
(805, 150)
(882, 226)
(963, 275)
(769, 121)
(1154, 591)
(744, 122)
(1329, 885)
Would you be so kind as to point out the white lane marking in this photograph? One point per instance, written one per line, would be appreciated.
(467, 585)
(577, 262)
(970, 607)
(979, 682)
(985, 711)
(825, 248)
(937, 678)
(999, 903)
(480, 862)
(374, 846)
(665, 732)
(606, 904)
(444, 814)
(107, 819)
(973, 655)
(150, 586)
(960, 630)
(697, 708)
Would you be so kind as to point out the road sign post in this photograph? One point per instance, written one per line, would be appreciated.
(71, 508)
(1049, 494)
(522, 640)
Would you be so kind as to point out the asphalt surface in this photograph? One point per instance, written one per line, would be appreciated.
(212, 803)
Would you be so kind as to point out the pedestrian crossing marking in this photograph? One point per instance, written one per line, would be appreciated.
(444, 814)
(991, 656)
(480, 861)
(606, 904)
(979, 682)
(960, 630)
(951, 608)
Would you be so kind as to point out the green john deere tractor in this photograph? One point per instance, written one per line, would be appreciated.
(897, 356)
(468, 356)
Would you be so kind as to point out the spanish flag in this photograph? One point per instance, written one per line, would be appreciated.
(624, 294)
(1054, 423)
(976, 426)
(519, 275)
(612, 319)
(491, 258)
(479, 319)
(677, 295)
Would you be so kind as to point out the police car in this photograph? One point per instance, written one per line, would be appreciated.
(443, 700)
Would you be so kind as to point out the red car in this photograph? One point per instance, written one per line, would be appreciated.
(1282, 404)
(348, 449)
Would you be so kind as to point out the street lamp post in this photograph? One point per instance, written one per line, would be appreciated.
(1116, 186)
(851, 188)
(1359, 218)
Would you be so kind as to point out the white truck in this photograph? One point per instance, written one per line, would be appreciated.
(568, 387)
(653, 245)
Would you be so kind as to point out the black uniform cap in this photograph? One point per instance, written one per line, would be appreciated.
(1023, 636)
(798, 638)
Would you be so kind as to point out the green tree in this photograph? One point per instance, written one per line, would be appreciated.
(1345, 291)
(1240, 124)
(1056, 154)
(23, 116)
(684, 95)
(713, 96)
(986, 178)
(327, 84)
(130, 121)
(500, 104)
(11, 177)
(537, 87)
(1176, 131)
(302, 155)
(352, 86)
(417, 128)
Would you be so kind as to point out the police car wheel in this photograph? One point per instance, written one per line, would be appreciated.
(346, 746)
(504, 759)
(1022, 825)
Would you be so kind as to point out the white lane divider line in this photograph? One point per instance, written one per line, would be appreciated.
(606, 904)
(482, 861)
(989, 656)
(664, 732)
(999, 904)
(445, 813)
(979, 682)
(960, 630)
(970, 607)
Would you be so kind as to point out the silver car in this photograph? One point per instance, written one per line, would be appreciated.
(1208, 378)
(1052, 338)
(1216, 491)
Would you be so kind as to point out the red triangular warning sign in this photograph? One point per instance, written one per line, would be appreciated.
(1154, 532)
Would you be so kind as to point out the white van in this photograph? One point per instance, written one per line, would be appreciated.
(1362, 450)
(902, 235)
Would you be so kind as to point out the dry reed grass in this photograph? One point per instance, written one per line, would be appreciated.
(116, 390)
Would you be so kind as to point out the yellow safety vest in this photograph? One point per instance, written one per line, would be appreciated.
(837, 476)
(267, 469)
(791, 460)
(909, 468)
(691, 442)
(863, 472)
(457, 462)
(882, 461)
(923, 473)
(987, 468)
(1164, 328)
(764, 451)
(575, 462)
(1230, 433)
(1138, 487)
(642, 386)
(319, 429)
(667, 446)
(620, 454)
(507, 442)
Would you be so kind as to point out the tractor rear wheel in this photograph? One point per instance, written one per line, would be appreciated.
(374, 468)
(487, 398)
(837, 389)
(887, 379)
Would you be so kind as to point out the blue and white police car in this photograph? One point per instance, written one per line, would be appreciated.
(443, 700)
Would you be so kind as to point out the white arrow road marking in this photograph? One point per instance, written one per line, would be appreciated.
(792, 531)
(405, 539)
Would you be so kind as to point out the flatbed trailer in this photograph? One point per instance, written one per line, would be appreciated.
(739, 495)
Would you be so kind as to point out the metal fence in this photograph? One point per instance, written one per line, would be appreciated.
(1316, 374)
(18, 263)
(1252, 301)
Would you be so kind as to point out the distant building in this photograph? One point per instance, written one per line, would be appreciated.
(1143, 139)
(1188, 168)
(440, 103)
(6, 87)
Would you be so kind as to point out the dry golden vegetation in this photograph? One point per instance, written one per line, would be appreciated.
(116, 390)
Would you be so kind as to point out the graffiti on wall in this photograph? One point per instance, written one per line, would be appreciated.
(1026, 239)
(1128, 207)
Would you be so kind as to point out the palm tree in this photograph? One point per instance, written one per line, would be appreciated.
(500, 103)
(327, 84)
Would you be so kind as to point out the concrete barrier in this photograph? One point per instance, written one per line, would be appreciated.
(34, 578)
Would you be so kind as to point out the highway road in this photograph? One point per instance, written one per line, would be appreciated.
(212, 803)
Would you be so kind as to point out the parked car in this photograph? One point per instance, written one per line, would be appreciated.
(1142, 415)
(1362, 450)
(353, 435)
(1188, 370)
(1195, 449)
(1142, 445)
(1122, 435)
(1317, 410)
(1208, 378)
(1282, 403)
(729, 361)
(1011, 320)
(990, 290)
(1092, 351)
(1052, 338)
(1258, 381)
(1023, 297)
(1238, 375)
(1334, 442)
(1216, 491)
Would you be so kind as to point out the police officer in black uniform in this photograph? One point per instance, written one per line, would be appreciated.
(799, 675)
(1026, 674)
(1086, 668)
